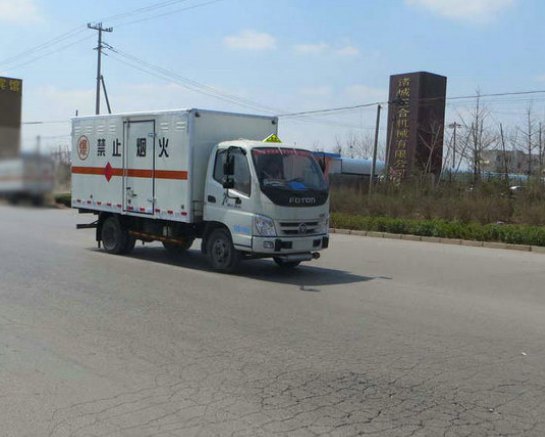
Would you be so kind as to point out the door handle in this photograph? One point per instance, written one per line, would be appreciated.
(211, 199)
(130, 192)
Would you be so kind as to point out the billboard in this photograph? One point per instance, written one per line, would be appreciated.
(11, 93)
(416, 123)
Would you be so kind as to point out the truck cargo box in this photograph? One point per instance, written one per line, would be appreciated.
(153, 164)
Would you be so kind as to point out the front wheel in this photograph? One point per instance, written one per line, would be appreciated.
(222, 254)
(286, 264)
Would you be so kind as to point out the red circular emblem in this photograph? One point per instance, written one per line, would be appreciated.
(83, 147)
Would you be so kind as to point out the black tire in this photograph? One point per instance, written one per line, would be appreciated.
(115, 238)
(286, 264)
(129, 246)
(179, 249)
(222, 255)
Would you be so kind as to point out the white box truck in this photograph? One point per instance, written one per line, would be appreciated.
(28, 178)
(173, 176)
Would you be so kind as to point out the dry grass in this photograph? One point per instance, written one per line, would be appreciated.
(489, 202)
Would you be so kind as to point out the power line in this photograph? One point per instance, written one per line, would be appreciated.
(143, 9)
(154, 70)
(175, 11)
(18, 59)
(365, 105)
(513, 93)
(165, 74)
(48, 137)
(51, 52)
(45, 45)
(45, 122)
(329, 110)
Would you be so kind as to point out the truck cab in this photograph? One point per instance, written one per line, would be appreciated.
(273, 199)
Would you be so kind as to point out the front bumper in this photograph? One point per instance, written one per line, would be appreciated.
(287, 245)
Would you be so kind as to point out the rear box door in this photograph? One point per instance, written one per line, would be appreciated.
(138, 174)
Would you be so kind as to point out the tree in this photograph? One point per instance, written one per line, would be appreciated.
(61, 159)
(528, 140)
(432, 139)
(478, 137)
(358, 145)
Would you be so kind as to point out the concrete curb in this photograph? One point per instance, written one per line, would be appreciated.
(454, 241)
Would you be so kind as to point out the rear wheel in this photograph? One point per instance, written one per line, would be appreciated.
(179, 249)
(221, 253)
(115, 237)
(129, 246)
(286, 264)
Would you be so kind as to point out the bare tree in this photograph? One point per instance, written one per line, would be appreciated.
(316, 147)
(504, 160)
(358, 145)
(62, 161)
(432, 139)
(455, 154)
(339, 145)
(478, 138)
(528, 140)
(363, 147)
(351, 142)
(540, 149)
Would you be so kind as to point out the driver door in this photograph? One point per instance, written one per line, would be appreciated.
(232, 207)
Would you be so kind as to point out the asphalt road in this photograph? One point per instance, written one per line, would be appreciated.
(378, 337)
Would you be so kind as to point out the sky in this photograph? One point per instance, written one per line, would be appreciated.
(264, 56)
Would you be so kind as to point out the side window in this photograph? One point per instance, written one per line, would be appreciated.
(218, 166)
(242, 170)
(242, 174)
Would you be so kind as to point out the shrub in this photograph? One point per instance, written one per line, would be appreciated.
(64, 199)
(514, 234)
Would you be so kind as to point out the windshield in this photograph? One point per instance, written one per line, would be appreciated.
(288, 169)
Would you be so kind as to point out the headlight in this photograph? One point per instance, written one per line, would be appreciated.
(264, 226)
(324, 226)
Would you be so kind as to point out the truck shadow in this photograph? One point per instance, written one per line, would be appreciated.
(306, 277)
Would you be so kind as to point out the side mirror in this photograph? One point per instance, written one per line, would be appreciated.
(229, 165)
(228, 182)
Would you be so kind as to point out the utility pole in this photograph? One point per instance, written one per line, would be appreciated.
(454, 126)
(375, 147)
(98, 27)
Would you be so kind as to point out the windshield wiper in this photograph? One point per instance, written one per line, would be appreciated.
(274, 182)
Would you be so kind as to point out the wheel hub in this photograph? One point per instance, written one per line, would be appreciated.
(221, 251)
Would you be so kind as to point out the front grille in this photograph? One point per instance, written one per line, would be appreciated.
(298, 228)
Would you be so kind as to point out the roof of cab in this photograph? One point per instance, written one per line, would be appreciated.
(251, 144)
